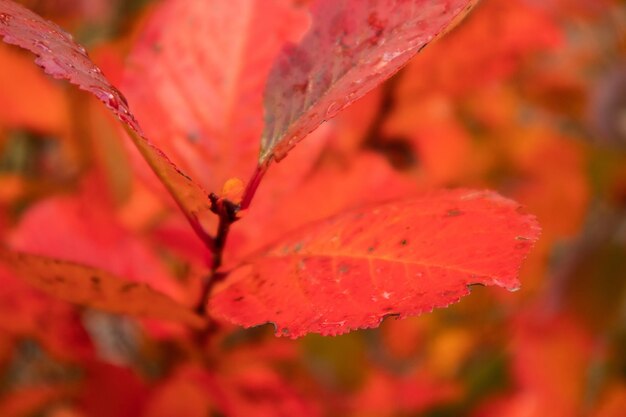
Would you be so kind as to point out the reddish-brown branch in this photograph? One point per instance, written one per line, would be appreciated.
(227, 213)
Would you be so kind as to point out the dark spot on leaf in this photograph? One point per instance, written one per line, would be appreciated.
(378, 27)
(300, 88)
(238, 298)
(59, 279)
(301, 266)
(522, 238)
(371, 249)
(454, 213)
(278, 312)
(95, 280)
(470, 287)
(404, 242)
(128, 287)
(284, 331)
(193, 137)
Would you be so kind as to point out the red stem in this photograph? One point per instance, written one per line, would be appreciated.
(253, 184)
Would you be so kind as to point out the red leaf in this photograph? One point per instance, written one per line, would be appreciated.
(92, 287)
(196, 79)
(353, 46)
(402, 259)
(86, 231)
(61, 57)
(331, 189)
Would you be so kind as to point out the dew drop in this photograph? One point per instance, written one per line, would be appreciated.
(333, 109)
(106, 97)
(390, 56)
(42, 45)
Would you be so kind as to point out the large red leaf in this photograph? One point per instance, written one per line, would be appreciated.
(402, 259)
(61, 57)
(92, 287)
(352, 47)
(196, 77)
(334, 187)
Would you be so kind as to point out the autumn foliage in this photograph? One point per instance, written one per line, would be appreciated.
(239, 179)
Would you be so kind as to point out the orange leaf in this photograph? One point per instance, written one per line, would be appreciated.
(92, 287)
(404, 258)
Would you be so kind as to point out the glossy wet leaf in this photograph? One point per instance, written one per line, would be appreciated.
(403, 259)
(61, 57)
(95, 288)
(353, 46)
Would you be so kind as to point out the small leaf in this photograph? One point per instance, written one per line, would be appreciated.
(405, 258)
(62, 58)
(353, 46)
(95, 288)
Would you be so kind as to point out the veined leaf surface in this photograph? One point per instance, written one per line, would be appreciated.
(353, 46)
(401, 258)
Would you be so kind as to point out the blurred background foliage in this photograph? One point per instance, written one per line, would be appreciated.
(526, 97)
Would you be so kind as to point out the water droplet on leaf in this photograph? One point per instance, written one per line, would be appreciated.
(333, 109)
(42, 46)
